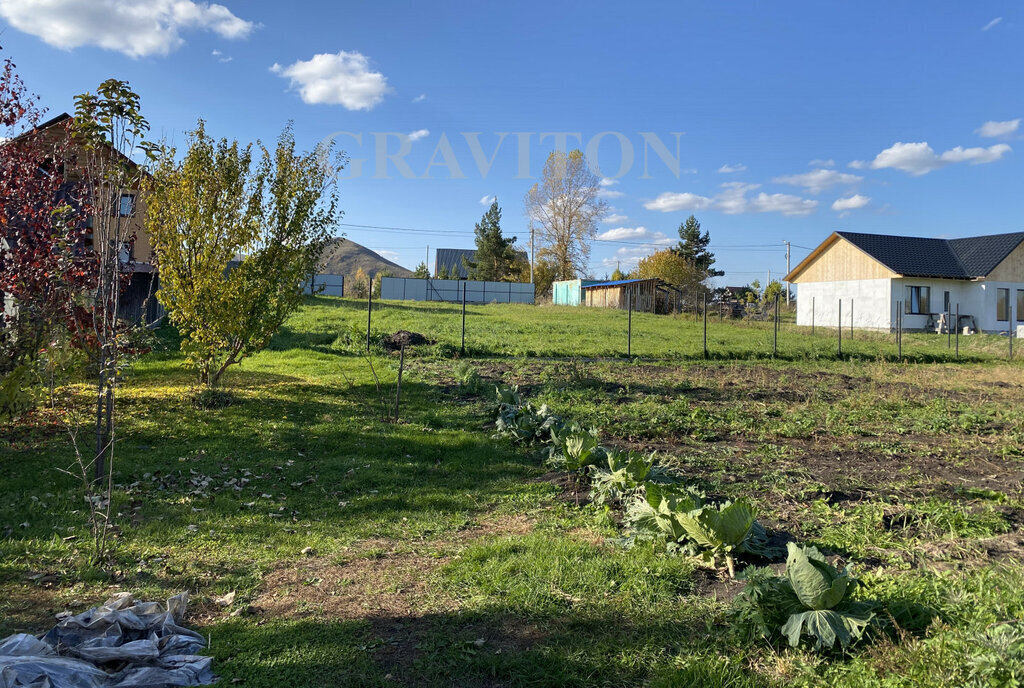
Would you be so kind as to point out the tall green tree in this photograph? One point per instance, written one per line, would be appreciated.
(221, 200)
(495, 253)
(421, 272)
(693, 246)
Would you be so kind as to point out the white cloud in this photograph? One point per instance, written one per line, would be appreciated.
(628, 258)
(614, 219)
(487, 200)
(993, 129)
(859, 165)
(390, 255)
(782, 203)
(991, 23)
(221, 57)
(606, 192)
(919, 158)
(633, 233)
(670, 202)
(419, 134)
(420, 98)
(134, 28)
(818, 180)
(818, 162)
(342, 79)
(733, 200)
(729, 169)
(850, 203)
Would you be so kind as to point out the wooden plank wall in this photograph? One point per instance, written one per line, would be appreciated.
(644, 296)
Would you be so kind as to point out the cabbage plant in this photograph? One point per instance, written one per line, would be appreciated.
(624, 473)
(688, 524)
(813, 600)
(574, 448)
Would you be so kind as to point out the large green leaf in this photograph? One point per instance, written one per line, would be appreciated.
(816, 583)
(724, 528)
(826, 626)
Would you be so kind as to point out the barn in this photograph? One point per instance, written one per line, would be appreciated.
(863, 280)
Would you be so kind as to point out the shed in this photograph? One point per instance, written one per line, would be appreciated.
(642, 294)
(569, 292)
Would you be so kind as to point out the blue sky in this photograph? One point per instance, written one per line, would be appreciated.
(797, 118)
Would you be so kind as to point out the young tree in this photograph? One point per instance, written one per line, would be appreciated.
(693, 246)
(673, 269)
(618, 274)
(378, 281)
(421, 272)
(563, 210)
(273, 210)
(443, 273)
(495, 256)
(360, 284)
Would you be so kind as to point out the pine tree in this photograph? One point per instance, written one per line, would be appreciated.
(421, 272)
(495, 254)
(443, 273)
(693, 246)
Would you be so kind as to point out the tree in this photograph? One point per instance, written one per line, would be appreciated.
(618, 274)
(378, 281)
(773, 290)
(360, 284)
(563, 210)
(109, 133)
(544, 276)
(495, 256)
(443, 273)
(274, 210)
(45, 263)
(693, 246)
(670, 267)
(421, 272)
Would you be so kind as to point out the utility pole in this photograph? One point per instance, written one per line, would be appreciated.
(787, 271)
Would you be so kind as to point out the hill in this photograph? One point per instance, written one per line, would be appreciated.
(345, 257)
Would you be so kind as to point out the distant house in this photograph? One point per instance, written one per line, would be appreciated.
(451, 261)
(137, 300)
(873, 274)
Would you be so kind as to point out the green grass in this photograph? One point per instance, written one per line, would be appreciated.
(427, 552)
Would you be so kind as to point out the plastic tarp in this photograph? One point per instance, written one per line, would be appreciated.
(123, 643)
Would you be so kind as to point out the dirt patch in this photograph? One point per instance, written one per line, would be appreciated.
(404, 338)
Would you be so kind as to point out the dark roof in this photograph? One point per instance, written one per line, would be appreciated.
(615, 283)
(451, 258)
(63, 117)
(966, 258)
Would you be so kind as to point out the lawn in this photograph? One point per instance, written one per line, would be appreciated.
(428, 552)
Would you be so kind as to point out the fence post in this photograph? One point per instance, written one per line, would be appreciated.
(705, 325)
(398, 387)
(775, 328)
(1009, 324)
(958, 332)
(629, 324)
(369, 313)
(840, 349)
(812, 315)
(851, 320)
(899, 330)
(463, 318)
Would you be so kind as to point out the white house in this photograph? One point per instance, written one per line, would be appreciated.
(860, 280)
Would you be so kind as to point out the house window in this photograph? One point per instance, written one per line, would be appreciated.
(918, 300)
(1020, 305)
(1002, 305)
(127, 205)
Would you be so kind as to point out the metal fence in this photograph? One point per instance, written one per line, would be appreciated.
(410, 289)
(333, 285)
